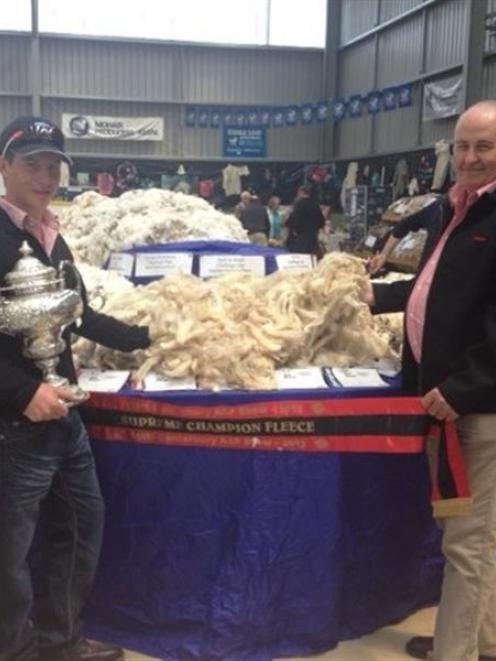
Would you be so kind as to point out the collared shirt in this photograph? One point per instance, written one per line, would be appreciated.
(461, 200)
(45, 231)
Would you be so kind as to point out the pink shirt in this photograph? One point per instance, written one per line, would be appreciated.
(45, 232)
(461, 200)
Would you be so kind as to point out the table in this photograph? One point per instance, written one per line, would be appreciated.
(229, 553)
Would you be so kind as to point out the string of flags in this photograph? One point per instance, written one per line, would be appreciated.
(338, 109)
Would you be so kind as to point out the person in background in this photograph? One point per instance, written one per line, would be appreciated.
(276, 220)
(413, 223)
(449, 360)
(46, 462)
(304, 223)
(244, 201)
(256, 222)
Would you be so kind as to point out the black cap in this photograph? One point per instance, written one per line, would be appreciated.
(31, 135)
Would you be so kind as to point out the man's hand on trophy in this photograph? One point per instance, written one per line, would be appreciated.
(49, 403)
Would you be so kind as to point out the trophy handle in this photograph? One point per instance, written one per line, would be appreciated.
(4, 316)
(64, 266)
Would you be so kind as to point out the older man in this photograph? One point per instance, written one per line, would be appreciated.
(450, 359)
(45, 456)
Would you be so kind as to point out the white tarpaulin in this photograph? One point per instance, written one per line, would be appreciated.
(442, 98)
(112, 128)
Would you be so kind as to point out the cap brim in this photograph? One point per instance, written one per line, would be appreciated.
(26, 150)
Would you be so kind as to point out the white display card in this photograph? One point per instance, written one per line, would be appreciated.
(156, 382)
(358, 377)
(94, 380)
(122, 263)
(152, 264)
(212, 265)
(295, 262)
(370, 241)
(307, 378)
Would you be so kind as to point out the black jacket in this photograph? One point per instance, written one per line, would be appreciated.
(19, 377)
(254, 218)
(303, 225)
(459, 341)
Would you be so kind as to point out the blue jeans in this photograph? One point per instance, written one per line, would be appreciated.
(46, 467)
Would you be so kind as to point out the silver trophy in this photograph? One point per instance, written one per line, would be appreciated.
(37, 304)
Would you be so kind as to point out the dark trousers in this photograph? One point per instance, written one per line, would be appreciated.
(48, 467)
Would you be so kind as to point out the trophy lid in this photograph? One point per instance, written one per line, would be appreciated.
(29, 269)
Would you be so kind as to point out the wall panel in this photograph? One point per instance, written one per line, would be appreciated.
(356, 68)
(353, 137)
(15, 54)
(400, 52)
(357, 17)
(392, 8)
(446, 34)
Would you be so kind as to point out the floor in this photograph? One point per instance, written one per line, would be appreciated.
(386, 644)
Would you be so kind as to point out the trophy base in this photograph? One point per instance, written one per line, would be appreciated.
(77, 392)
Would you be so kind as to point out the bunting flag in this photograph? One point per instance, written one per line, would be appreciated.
(322, 111)
(228, 117)
(307, 114)
(203, 117)
(405, 95)
(338, 109)
(291, 115)
(240, 118)
(278, 118)
(253, 118)
(215, 119)
(190, 117)
(374, 102)
(265, 117)
(355, 105)
(390, 98)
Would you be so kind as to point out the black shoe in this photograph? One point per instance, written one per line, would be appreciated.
(420, 646)
(84, 650)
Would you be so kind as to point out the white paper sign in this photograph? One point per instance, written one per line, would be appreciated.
(150, 264)
(122, 263)
(212, 265)
(295, 262)
(370, 241)
(95, 380)
(156, 382)
(306, 378)
(358, 377)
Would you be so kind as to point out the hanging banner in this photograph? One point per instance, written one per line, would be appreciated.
(190, 117)
(322, 111)
(338, 109)
(405, 95)
(253, 118)
(442, 98)
(112, 128)
(278, 117)
(307, 114)
(291, 115)
(228, 117)
(374, 102)
(265, 117)
(203, 117)
(355, 105)
(244, 143)
(240, 118)
(215, 119)
(389, 98)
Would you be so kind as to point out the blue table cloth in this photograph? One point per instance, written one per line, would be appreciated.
(247, 554)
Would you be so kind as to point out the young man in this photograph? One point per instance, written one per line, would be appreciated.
(449, 358)
(45, 457)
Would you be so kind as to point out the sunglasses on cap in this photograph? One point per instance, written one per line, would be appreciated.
(36, 137)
